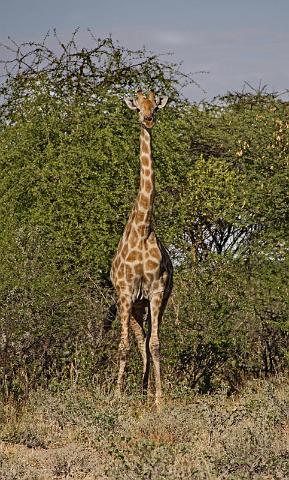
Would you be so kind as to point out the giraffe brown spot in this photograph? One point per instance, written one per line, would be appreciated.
(134, 256)
(148, 186)
(145, 161)
(144, 201)
(146, 172)
(151, 265)
(156, 311)
(155, 252)
(138, 269)
(139, 217)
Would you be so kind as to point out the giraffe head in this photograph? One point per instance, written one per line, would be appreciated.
(146, 107)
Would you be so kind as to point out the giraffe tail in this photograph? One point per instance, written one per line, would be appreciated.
(109, 318)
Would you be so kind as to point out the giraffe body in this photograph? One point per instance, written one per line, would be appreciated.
(141, 269)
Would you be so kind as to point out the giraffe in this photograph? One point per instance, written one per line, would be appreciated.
(142, 271)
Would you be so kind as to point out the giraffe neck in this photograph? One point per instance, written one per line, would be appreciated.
(139, 222)
(145, 197)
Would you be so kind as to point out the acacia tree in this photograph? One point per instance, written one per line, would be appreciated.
(70, 73)
(234, 170)
(69, 162)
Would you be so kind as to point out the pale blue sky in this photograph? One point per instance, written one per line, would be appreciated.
(236, 41)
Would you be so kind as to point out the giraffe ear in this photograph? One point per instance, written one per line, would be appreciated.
(161, 101)
(130, 103)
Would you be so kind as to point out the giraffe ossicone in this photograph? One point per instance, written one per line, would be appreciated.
(141, 270)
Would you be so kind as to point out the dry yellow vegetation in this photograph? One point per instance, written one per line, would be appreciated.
(85, 435)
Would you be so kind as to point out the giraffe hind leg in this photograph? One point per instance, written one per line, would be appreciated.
(137, 323)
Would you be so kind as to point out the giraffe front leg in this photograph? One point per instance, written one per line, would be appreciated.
(142, 338)
(123, 349)
(155, 308)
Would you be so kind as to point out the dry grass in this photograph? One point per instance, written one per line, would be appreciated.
(83, 434)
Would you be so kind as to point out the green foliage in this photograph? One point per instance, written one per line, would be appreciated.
(69, 175)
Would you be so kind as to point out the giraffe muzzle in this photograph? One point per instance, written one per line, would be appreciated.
(149, 121)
